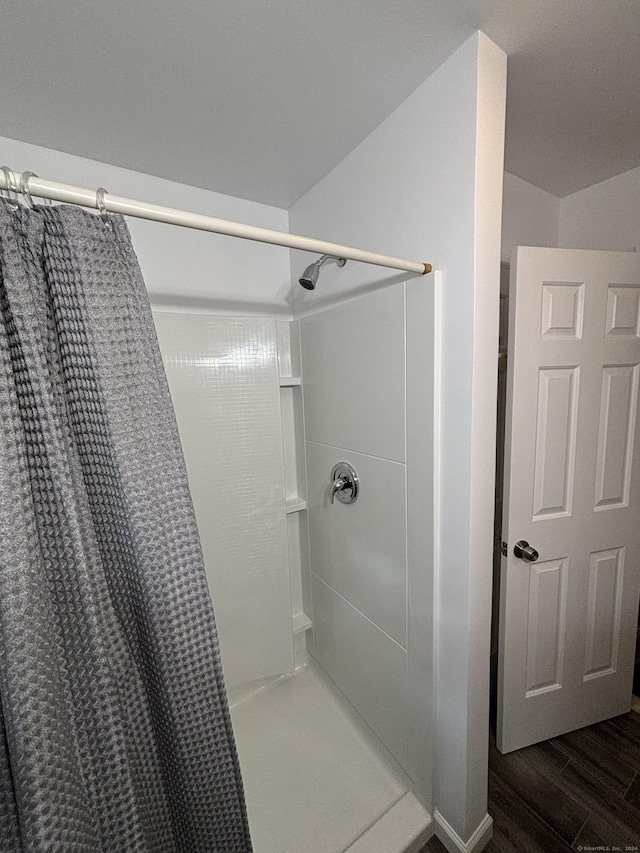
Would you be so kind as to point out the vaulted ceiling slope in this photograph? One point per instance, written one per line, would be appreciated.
(261, 99)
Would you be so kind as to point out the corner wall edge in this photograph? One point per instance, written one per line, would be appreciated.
(452, 841)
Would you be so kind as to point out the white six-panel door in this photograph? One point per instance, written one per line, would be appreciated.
(572, 490)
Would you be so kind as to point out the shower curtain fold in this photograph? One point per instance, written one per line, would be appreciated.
(114, 727)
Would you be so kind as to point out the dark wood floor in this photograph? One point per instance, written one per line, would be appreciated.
(575, 792)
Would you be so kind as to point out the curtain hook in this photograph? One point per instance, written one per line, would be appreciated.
(11, 187)
(24, 187)
(104, 213)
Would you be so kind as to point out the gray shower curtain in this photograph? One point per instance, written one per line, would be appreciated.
(114, 727)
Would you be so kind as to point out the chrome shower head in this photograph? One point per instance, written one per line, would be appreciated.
(309, 277)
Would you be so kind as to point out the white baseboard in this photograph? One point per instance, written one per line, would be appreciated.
(452, 841)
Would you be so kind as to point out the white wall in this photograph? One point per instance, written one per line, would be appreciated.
(484, 294)
(530, 216)
(604, 216)
(182, 268)
(427, 185)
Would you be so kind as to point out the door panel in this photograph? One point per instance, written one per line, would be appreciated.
(546, 626)
(572, 490)
(602, 636)
(616, 431)
(555, 450)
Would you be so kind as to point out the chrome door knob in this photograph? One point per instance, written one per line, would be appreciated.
(525, 552)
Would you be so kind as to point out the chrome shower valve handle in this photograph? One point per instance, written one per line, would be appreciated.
(339, 485)
(345, 483)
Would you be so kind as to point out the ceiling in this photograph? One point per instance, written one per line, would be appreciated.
(261, 99)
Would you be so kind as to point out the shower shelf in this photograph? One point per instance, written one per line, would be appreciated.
(301, 622)
(288, 381)
(296, 505)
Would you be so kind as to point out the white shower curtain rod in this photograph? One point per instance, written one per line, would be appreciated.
(31, 185)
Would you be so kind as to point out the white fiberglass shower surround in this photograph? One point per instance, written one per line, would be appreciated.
(292, 573)
(355, 649)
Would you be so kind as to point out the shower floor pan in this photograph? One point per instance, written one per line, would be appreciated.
(316, 779)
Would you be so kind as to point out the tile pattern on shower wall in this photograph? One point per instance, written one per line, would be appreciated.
(360, 549)
(353, 364)
(368, 667)
(223, 379)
